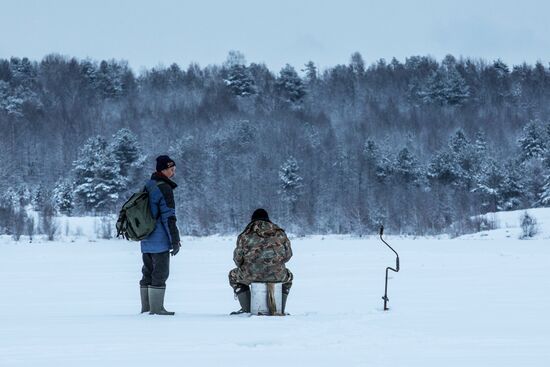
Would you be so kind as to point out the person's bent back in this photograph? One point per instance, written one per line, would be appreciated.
(261, 253)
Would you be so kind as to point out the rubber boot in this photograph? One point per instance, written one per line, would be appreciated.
(156, 301)
(244, 300)
(283, 302)
(144, 299)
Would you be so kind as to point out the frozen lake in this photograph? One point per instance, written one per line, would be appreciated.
(462, 302)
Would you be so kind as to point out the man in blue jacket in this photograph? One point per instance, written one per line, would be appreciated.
(163, 241)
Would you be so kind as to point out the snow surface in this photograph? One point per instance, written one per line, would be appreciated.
(508, 224)
(455, 302)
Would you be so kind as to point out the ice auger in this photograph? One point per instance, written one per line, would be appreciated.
(385, 298)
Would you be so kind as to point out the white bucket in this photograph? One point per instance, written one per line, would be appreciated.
(259, 299)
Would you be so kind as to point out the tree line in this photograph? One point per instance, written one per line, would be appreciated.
(421, 145)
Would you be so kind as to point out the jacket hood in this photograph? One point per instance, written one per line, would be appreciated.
(262, 228)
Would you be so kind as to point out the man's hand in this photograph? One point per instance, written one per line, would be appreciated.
(175, 249)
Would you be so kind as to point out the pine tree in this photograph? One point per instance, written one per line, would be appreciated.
(534, 180)
(534, 140)
(127, 152)
(63, 197)
(456, 165)
(501, 68)
(433, 90)
(112, 78)
(489, 186)
(311, 72)
(290, 85)
(406, 166)
(466, 158)
(39, 197)
(456, 90)
(444, 168)
(240, 81)
(511, 187)
(445, 87)
(97, 176)
(291, 183)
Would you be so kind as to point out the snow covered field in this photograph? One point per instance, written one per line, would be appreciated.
(463, 302)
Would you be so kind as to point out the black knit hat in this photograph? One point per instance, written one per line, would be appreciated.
(259, 214)
(164, 162)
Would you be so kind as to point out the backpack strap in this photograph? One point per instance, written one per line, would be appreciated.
(157, 184)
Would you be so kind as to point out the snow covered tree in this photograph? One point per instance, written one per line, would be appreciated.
(24, 72)
(63, 197)
(489, 186)
(291, 183)
(113, 79)
(379, 164)
(97, 177)
(444, 168)
(238, 77)
(445, 87)
(456, 90)
(39, 197)
(467, 159)
(457, 165)
(290, 85)
(512, 188)
(534, 140)
(18, 101)
(311, 72)
(406, 166)
(127, 152)
(10, 198)
(240, 81)
(534, 180)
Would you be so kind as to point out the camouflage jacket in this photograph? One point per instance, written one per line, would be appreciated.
(262, 251)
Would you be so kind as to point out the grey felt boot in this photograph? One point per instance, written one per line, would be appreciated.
(156, 301)
(144, 299)
(244, 300)
(285, 295)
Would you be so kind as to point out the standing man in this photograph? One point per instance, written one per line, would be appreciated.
(163, 241)
(261, 253)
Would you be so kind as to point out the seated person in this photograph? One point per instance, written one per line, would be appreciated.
(261, 253)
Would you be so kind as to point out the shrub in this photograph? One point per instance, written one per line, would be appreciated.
(529, 227)
(48, 222)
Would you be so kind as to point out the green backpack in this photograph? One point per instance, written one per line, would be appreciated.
(135, 221)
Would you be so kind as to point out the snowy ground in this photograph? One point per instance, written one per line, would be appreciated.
(462, 302)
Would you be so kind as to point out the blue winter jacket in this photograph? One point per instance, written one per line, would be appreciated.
(161, 201)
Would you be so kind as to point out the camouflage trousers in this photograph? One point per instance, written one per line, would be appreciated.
(239, 282)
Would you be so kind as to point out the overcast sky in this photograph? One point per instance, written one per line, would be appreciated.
(151, 33)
